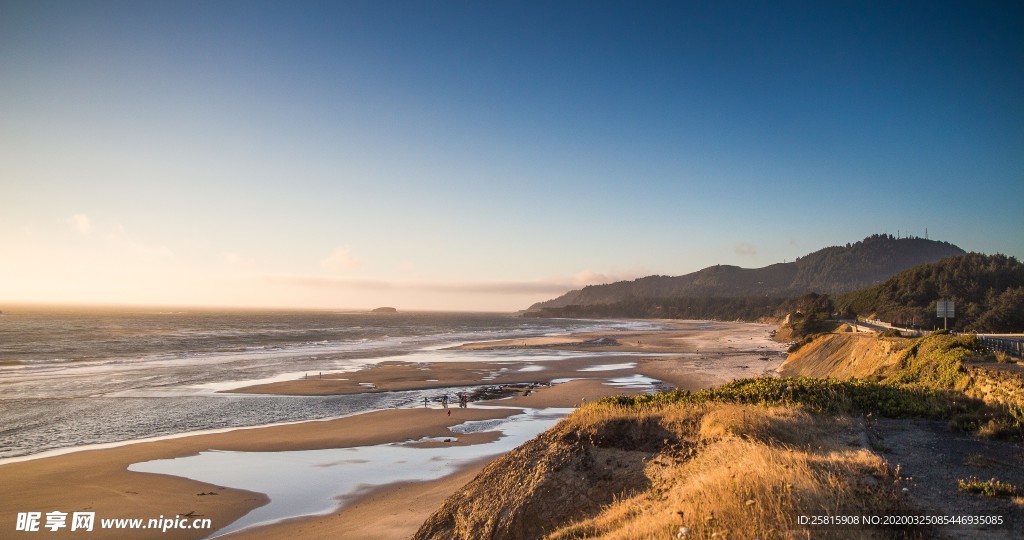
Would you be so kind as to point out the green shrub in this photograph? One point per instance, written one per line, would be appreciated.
(929, 381)
(820, 395)
(937, 361)
(988, 488)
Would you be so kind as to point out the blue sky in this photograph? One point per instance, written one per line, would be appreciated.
(468, 155)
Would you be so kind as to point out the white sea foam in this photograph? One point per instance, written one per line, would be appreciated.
(634, 381)
(610, 367)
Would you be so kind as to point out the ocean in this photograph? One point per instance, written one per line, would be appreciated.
(71, 377)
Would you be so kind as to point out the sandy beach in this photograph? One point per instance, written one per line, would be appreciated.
(98, 480)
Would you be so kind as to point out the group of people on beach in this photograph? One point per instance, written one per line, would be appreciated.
(463, 401)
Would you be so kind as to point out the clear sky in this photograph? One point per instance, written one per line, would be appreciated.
(486, 155)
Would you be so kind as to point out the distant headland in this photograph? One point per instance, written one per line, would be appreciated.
(384, 310)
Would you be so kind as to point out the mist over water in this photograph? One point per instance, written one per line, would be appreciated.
(70, 377)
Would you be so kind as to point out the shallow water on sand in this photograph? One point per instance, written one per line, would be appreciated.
(309, 482)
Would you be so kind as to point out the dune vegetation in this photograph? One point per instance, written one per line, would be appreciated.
(742, 471)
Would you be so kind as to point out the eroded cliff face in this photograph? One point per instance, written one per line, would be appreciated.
(565, 474)
(843, 355)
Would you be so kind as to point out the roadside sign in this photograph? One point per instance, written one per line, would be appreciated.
(945, 308)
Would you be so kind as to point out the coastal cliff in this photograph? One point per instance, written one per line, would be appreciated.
(567, 473)
(681, 470)
(746, 459)
(843, 355)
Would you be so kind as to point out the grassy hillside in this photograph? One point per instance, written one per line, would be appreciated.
(971, 387)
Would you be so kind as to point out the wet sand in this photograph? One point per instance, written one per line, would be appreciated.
(688, 355)
(397, 376)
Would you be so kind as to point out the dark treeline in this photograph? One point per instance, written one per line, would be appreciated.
(745, 309)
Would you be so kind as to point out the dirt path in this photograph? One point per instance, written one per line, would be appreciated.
(935, 458)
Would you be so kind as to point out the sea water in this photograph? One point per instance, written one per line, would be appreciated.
(77, 376)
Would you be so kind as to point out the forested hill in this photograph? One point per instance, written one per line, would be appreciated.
(831, 270)
(988, 291)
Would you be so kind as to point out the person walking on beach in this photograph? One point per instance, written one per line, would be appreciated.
(444, 401)
(424, 403)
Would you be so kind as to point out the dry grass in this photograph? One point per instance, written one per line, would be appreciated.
(735, 471)
(789, 426)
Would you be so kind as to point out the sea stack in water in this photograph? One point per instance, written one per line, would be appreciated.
(384, 310)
